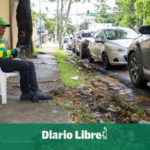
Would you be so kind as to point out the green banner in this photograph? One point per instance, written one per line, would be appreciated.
(74, 136)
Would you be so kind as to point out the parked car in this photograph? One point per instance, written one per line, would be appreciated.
(69, 43)
(109, 45)
(82, 43)
(75, 36)
(139, 57)
(65, 39)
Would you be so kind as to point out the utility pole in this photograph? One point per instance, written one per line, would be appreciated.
(76, 16)
(40, 22)
(143, 16)
(56, 26)
(61, 25)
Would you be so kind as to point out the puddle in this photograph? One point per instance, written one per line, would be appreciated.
(55, 111)
(42, 62)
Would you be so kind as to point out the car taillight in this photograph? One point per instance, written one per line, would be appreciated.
(74, 41)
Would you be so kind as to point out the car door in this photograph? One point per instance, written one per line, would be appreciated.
(98, 44)
(92, 45)
(145, 50)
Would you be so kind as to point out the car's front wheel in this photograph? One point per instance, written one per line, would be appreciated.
(106, 63)
(135, 70)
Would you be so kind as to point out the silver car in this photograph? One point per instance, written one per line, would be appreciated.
(110, 45)
(69, 43)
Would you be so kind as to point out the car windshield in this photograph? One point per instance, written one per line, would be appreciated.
(115, 34)
(87, 34)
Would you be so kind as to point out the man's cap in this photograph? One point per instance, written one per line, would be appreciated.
(4, 23)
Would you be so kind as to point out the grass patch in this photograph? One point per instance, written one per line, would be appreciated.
(35, 50)
(68, 70)
(77, 114)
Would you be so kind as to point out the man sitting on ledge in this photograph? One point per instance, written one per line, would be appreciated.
(28, 80)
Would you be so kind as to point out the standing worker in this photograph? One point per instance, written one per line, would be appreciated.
(28, 80)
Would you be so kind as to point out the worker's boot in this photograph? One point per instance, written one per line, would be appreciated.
(25, 97)
(39, 95)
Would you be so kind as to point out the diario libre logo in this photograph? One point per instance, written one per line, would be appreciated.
(79, 135)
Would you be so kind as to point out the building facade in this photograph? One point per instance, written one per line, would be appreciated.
(8, 12)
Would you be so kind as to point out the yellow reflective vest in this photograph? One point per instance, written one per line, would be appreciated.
(6, 54)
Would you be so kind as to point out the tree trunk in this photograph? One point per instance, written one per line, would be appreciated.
(68, 11)
(24, 22)
(66, 22)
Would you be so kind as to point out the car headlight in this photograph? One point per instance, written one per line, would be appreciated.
(116, 49)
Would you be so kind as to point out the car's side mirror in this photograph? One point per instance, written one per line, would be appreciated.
(99, 40)
(144, 29)
(79, 37)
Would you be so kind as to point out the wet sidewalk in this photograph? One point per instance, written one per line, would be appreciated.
(48, 77)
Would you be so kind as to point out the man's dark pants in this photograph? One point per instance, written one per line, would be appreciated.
(28, 81)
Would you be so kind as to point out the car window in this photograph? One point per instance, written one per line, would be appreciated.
(95, 35)
(99, 35)
(86, 34)
(114, 34)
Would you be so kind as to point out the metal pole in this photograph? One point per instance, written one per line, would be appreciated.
(56, 26)
(40, 22)
(76, 16)
(143, 16)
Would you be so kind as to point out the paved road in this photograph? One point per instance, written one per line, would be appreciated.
(121, 73)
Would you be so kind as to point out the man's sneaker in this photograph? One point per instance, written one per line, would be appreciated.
(25, 97)
(39, 95)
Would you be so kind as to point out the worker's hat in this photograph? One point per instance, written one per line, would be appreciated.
(4, 23)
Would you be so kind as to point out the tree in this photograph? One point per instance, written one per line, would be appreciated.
(84, 25)
(34, 15)
(143, 11)
(126, 16)
(102, 8)
(108, 18)
(70, 28)
(24, 23)
(63, 28)
(66, 21)
(50, 25)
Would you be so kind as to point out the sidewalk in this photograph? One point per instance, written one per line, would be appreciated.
(49, 81)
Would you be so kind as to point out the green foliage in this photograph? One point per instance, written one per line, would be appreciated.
(140, 112)
(50, 25)
(133, 13)
(103, 16)
(108, 18)
(34, 14)
(84, 25)
(102, 7)
(80, 115)
(126, 17)
(143, 10)
(70, 28)
(35, 50)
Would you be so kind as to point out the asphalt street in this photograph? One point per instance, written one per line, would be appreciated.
(122, 74)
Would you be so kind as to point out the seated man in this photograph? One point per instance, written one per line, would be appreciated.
(28, 81)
